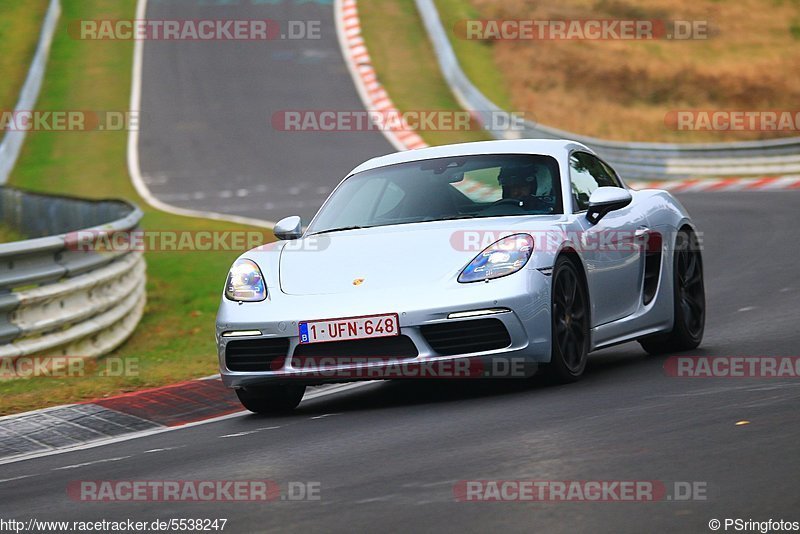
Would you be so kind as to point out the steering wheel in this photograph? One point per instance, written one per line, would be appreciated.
(529, 203)
(510, 201)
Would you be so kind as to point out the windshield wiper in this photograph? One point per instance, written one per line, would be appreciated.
(454, 217)
(340, 229)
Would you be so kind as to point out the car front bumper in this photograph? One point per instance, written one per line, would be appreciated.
(521, 303)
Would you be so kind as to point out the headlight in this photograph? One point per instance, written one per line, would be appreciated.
(502, 258)
(245, 282)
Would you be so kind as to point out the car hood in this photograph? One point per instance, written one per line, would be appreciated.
(381, 258)
(369, 260)
(389, 257)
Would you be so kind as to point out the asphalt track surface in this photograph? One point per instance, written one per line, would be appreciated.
(207, 139)
(387, 455)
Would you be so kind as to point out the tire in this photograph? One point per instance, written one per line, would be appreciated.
(570, 324)
(689, 300)
(271, 399)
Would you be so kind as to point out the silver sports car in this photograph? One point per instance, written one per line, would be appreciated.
(471, 260)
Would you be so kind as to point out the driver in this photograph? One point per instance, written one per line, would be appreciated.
(521, 183)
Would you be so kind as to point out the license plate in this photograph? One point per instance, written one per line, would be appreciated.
(346, 328)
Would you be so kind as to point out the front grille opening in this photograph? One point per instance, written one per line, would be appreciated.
(256, 354)
(379, 348)
(464, 337)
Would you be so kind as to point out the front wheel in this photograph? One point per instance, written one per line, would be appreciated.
(570, 324)
(271, 399)
(690, 301)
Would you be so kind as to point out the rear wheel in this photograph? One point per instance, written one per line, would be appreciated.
(689, 297)
(271, 399)
(570, 324)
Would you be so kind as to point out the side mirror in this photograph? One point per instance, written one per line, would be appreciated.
(605, 200)
(288, 228)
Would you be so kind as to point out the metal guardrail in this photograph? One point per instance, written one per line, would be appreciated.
(57, 298)
(643, 161)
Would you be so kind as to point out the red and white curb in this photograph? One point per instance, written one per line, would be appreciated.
(375, 98)
(373, 95)
(694, 185)
(479, 191)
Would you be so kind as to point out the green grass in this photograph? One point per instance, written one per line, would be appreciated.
(174, 340)
(8, 234)
(406, 65)
(794, 30)
(20, 24)
(474, 56)
(622, 90)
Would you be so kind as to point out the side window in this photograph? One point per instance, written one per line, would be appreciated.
(612, 173)
(586, 174)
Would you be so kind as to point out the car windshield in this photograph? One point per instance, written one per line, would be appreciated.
(444, 188)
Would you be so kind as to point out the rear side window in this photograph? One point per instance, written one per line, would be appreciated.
(587, 173)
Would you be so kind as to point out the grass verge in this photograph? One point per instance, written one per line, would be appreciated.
(406, 65)
(8, 234)
(475, 57)
(20, 25)
(174, 340)
(625, 89)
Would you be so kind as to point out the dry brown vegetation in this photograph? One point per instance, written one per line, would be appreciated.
(623, 89)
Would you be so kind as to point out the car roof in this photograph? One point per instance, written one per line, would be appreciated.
(546, 147)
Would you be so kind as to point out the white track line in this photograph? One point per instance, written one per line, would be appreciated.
(144, 192)
(133, 148)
